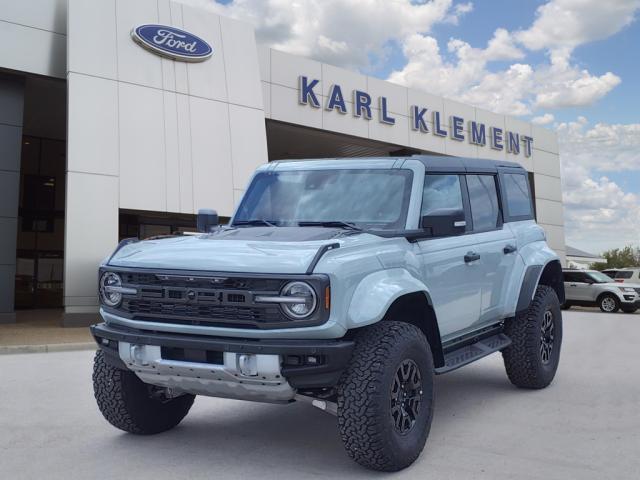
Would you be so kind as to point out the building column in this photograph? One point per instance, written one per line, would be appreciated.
(11, 107)
(91, 234)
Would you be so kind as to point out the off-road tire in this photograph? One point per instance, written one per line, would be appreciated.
(629, 309)
(365, 396)
(612, 297)
(523, 359)
(125, 401)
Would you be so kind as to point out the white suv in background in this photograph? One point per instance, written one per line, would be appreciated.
(590, 288)
(628, 275)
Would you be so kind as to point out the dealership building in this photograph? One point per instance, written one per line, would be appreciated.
(122, 118)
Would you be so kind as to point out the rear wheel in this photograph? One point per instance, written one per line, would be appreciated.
(385, 397)
(608, 303)
(131, 405)
(532, 358)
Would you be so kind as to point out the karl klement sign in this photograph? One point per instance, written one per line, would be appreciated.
(478, 133)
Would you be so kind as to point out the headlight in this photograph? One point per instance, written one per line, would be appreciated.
(302, 299)
(627, 289)
(111, 289)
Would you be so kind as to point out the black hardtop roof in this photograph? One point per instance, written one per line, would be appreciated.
(439, 163)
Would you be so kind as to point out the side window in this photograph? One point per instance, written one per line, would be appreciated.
(483, 196)
(518, 197)
(441, 192)
(624, 275)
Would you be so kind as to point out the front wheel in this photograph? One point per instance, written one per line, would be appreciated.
(385, 397)
(129, 404)
(629, 309)
(609, 303)
(532, 358)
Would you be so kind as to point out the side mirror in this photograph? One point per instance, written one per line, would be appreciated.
(444, 223)
(207, 220)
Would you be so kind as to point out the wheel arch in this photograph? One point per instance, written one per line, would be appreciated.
(549, 274)
(416, 309)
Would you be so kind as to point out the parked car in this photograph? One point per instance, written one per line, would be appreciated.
(592, 288)
(345, 283)
(628, 275)
(611, 272)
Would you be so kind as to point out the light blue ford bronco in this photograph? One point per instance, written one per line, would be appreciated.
(345, 283)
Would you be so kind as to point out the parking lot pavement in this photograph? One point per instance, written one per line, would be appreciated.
(585, 425)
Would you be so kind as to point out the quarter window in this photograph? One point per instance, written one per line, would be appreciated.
(441, 192)
(518, 197)
(483, 196)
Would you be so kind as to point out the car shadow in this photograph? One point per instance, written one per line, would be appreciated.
(246, 438)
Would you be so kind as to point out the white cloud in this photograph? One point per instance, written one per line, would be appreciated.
(346, 33)
(599, 213)
(521, 88)
(564, 24)
(545, 119)
(604, 147)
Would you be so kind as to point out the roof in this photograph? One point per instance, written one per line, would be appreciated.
(432, 163)
(463, 164)
(574, 252)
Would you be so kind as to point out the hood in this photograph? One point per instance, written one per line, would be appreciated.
(251, 249)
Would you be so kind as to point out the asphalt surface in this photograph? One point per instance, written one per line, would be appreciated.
(586, 425)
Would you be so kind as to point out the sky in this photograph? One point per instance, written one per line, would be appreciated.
(569, 65)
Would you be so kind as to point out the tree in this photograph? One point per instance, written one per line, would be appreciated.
(619, 258)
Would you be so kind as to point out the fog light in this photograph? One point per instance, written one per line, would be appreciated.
(248, 364)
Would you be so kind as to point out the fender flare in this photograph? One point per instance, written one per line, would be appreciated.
(532, 278)
(376, 293)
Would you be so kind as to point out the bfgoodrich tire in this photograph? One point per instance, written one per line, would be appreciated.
(532, 358)
(385, 397)
(126, 402)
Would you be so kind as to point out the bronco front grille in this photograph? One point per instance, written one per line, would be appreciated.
(211, 300)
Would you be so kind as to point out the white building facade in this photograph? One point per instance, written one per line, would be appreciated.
(104, 136)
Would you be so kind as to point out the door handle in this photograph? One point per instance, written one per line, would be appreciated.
(573, 285)
(471, 257)
(509, 249)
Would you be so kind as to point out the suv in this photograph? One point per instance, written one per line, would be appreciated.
(628, 275)
(344, 283)
(593, 288)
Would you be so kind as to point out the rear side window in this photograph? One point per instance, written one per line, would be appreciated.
(483, 196)
(516, 190)
(441, 192)
(624, 274)
(570, 276)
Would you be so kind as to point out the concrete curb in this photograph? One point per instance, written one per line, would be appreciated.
(54, 347)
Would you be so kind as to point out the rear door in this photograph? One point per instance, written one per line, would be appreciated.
(455, 284)
(494, 242)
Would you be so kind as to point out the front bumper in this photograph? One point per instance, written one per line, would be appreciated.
(211, 365)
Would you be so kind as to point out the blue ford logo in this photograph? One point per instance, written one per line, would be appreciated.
(172, 42)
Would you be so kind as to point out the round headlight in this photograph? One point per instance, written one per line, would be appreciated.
(108, 295)
(302, 302)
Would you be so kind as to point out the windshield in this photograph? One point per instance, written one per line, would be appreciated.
(599, 277)
(370, 199)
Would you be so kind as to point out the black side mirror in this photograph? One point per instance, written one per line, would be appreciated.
(444, 223)
(207, 220)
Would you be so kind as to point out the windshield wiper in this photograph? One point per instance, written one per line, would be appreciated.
(254, 222)
(331, 223)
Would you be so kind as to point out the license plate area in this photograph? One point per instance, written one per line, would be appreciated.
(192, 355)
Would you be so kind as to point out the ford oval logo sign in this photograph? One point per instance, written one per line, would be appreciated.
(172, 43)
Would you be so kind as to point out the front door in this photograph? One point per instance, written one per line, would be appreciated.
(455, 283)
